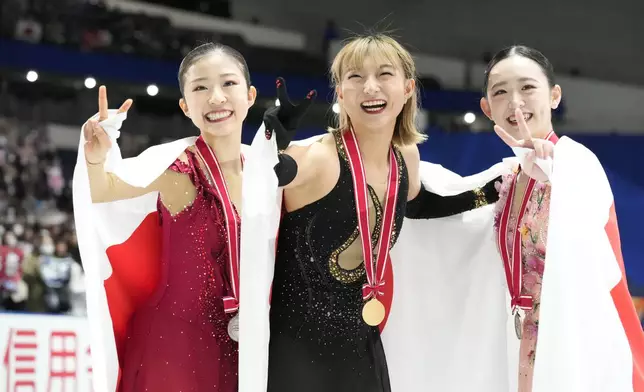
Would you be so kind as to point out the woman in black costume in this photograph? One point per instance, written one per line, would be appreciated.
(323, 337)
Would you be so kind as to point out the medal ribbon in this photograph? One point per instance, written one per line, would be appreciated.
(512, 264)
(375, 273)
(231, 303)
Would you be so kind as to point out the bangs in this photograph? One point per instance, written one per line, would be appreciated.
(383, 50)
(353, 55)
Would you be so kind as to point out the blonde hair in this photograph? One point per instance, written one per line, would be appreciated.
(352, 56)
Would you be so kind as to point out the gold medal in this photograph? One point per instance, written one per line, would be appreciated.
(373, 312)
(518, 325)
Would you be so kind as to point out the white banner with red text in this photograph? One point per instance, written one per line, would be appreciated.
(44, 353)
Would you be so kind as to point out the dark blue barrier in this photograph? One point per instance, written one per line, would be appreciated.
(469, 153)
(133, 69)
(466, 153)
(60, 60)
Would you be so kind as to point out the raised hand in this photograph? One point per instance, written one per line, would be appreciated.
(540, 148)
(285, 118)
(97, 142)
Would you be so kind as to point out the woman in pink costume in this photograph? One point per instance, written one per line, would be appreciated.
(520, 93)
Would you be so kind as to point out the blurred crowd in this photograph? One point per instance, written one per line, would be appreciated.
(40, 268)
(90, 26)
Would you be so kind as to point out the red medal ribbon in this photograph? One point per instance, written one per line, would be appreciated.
(231, 303)
(512, 263)
(375, 273)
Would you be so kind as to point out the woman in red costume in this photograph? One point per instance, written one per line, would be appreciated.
(182, 335)
(178, 340)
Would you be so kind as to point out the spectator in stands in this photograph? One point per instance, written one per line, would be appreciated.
(28, 29)
(56, 271)
(520, 94)
(94, 27)
(32, 204)
(13, 290)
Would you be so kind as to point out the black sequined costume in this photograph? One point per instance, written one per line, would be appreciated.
(319, 341)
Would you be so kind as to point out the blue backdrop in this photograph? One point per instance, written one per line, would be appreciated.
(463, 153)
(469, 153)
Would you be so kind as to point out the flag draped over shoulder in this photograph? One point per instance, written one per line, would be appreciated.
(590, 338)
(449, 327)
(120, 246)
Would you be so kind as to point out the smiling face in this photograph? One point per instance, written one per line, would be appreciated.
(374, 79)
(519, 82)
(373, 94)
(216, 95)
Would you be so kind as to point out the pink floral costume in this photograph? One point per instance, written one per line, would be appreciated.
(534, 229)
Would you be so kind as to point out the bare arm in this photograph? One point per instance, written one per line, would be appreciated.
(176, 189)
(309, 160)
(411, 155)
(104, 186)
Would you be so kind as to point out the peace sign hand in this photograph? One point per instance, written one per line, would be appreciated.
(285, 118)
(541, 149)
(97, 142)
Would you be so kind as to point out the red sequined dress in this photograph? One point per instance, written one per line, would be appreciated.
(178, 341)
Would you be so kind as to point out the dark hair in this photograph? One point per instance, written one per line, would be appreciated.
(202, 50)
(523, 51)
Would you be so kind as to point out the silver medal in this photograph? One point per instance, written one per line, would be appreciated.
(233, 328)
(518, 325)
